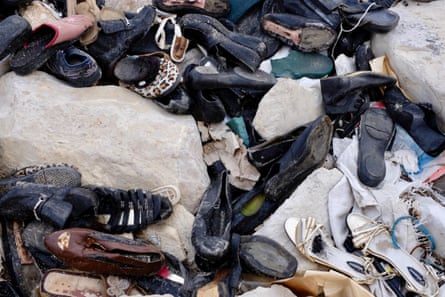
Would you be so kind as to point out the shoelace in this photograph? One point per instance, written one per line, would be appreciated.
(343, 30)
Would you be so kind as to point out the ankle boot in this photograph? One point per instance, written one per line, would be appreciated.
(244, 50)
(412, 118)
(335, 88)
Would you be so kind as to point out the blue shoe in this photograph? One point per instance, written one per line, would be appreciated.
(74, 66)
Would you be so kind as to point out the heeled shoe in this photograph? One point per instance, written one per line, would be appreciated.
(375, 239)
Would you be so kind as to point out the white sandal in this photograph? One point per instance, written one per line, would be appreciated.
(375, 239)
(311, 241)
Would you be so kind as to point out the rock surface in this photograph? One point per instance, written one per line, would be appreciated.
(416, 52)
(309, 199)
(289, 104)
(112, 135)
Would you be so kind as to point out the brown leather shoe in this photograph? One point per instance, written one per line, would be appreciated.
(93, 251)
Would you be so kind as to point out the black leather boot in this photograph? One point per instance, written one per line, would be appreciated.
(412, 118)
(244, 50)
(336, 88)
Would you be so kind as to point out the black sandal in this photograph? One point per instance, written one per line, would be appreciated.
(130, 210)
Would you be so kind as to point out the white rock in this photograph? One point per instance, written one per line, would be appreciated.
(289, 104)
(114, 136)
(416, 52)
(309, 199)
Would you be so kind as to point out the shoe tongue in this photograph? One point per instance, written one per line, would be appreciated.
(56, 212)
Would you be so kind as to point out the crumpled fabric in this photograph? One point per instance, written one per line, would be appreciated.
(379, 203)
(222, 144)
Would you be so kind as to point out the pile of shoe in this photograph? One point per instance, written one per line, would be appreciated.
(206, 59)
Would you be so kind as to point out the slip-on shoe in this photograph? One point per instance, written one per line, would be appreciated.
(92, 251)
(45, 40)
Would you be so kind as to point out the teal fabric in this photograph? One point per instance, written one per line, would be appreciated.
(238, 126)
(239, 7)
(299, 64)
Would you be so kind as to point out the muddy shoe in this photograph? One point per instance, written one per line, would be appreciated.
(14, 31)
(211, 228)
(307, 153)
(301, 33)
(56, 175)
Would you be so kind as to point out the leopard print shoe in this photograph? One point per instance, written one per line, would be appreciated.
(151, 75)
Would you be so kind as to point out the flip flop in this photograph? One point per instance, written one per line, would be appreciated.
(375, 239)
(45, 40)
(311, 241)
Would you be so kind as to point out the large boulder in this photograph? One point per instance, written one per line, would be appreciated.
(113, 136)
(416, 52)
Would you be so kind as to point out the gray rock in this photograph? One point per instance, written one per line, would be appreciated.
(115, 137)
(289, 104)
(416, 52)
(309, 199)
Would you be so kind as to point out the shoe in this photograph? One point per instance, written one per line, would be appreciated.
(19, 267)
(92, 251)
(315, 10)
(45, 40)
(311, 241)
(51, 204)
(412, 118)
(375, 240)
(214, 8)
(335, 88)
(126, 211)
(7, 290)
(56, 175)
(14, 31)
(151, 75)
(266, 153)
(116, 36)
(363, 54)
(307, 153)
(240, 49)
(211, 228)
(369, 16)
(266, 257)
(254, 15)
(176, 102)
(299, 32)
(206, 106)
(74, 66)
(58, 282)
(299, 64)
(203, 78)
(376, 131)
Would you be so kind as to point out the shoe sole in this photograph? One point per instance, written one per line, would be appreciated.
(312, 38)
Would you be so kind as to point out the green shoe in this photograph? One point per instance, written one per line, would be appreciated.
(299, 64)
